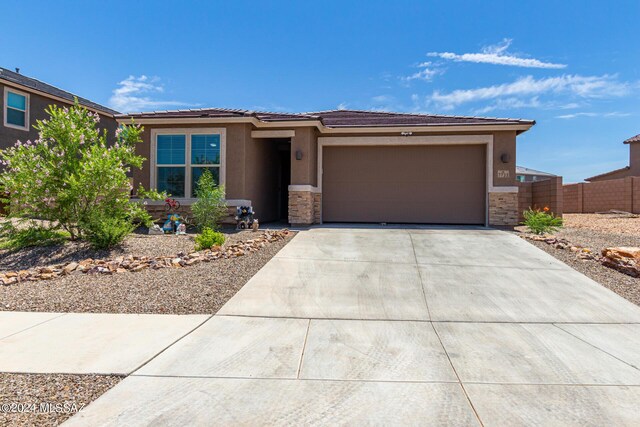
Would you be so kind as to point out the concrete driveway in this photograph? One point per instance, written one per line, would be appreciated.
(398, 326)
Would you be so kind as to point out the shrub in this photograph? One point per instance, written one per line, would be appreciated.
(541, 221)
(70, 173)
(211, 207)
(208, 238)
(15, 239)
(106, 232)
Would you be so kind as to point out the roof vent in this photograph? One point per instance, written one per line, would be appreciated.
(17, 70)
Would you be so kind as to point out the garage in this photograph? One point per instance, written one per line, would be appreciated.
(432, 184)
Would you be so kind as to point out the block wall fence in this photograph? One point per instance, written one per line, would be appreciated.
(616, 194)
(540, 194)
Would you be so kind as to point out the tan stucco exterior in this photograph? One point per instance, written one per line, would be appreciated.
(253, 165)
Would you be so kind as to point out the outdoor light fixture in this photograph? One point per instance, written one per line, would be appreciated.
(505, 158)
(298, 154)
(406, 133)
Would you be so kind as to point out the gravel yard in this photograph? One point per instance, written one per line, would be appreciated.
(57, 390)
(597, 231)
(199, 289)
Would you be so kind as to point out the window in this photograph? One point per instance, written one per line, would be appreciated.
(181, 158)
(16, 109)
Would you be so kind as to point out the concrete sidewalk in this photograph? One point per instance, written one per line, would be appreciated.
(86, 343)
(385, 326)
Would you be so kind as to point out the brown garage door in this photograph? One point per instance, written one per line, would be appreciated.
(444, 184)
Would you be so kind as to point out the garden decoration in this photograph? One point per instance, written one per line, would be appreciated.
(245, 219)
(171, 204)
(181, 229)
(172, 223)
(155, 230)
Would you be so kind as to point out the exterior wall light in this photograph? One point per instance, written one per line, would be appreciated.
(505, 157)
(298, 154)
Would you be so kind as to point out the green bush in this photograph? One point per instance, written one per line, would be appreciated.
(106, 232)
(70, 172)
(210, 208)
(208, 238)
(15, 239)
(541, 221)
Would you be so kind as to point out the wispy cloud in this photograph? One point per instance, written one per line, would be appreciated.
(605, 86)
(342, 106)
(138, 94)
(497, 54)
(592, 114)
(427, 71)
(510, 104)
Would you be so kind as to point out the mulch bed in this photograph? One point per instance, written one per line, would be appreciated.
(48, 399)
(198, 289)
(604, 231)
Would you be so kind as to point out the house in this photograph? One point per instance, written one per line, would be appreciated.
(24, 101)
(339, 165)
(531, 175)
(634, 163)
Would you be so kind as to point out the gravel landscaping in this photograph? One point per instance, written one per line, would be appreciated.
(598, 231)
(198, 289)
(47, 399)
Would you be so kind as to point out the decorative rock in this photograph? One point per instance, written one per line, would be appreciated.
(69, 268)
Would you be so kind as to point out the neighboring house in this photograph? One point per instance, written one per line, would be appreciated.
(634, 163)
(339, 165)
(531, 175)
(25, 99)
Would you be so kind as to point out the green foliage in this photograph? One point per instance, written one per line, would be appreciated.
(104, 232)
(210, 208)
(17, 238)
(208, 238)
(69, 175)
(541, 221)
(137, 213)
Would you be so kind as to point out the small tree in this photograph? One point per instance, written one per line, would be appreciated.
(211, 207)
(70, 176)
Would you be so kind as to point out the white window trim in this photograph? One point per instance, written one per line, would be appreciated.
(187, 132)
(6, 106)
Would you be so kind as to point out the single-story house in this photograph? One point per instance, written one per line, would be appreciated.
(339, 165)
(24, 101)
(531, 175)
(634, 163)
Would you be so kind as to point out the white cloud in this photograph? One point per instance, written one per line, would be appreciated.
(496, 54)
(591, 114)
(137, 94)
(427, 73)
(605, 86)
(510, 104)
(342, 106)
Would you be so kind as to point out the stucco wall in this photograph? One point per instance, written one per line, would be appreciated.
(37, 106)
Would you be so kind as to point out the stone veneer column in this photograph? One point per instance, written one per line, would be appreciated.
(503, 208)
(304, 205)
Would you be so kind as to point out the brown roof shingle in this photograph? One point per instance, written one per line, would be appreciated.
(633, 139)
(335, 118)
(35, 84)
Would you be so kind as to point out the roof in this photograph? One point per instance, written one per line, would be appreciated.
(335, 118)
(521, 170)
(219, 113)
(34, 84)
(633, 139)
(608, 173)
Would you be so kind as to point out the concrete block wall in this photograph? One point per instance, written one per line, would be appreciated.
(615, 194)
(540, 194)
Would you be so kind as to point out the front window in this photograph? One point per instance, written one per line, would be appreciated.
(16, 109)
(182, 158)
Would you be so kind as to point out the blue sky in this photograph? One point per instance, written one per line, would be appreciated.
(573, 66)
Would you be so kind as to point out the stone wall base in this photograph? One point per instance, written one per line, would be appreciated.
(503, 209)
(304, 207)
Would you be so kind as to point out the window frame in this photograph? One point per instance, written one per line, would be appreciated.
(5, 107)
(188, 132)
